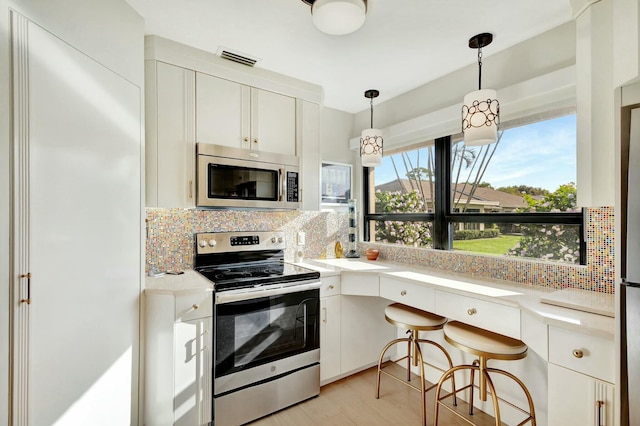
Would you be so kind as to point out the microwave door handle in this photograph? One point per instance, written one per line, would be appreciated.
(283, 184)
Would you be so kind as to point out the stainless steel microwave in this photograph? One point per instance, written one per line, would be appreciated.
(242, 178)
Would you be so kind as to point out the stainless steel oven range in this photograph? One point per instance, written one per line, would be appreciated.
(266, 325)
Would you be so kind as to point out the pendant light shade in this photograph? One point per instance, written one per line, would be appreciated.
(481, 109)
(338, 17)
(371, 139)
(480, 117)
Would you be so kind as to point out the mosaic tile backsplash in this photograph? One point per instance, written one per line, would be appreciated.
(169, 246)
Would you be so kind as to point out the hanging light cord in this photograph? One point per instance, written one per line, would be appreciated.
(371, 104)
(479, 68)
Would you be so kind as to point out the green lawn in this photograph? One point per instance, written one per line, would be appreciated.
(500, 245)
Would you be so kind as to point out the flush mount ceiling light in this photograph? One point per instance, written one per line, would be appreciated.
(371, 140)
(338, 17)
(481, 109)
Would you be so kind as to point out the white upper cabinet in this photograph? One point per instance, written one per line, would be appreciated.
(222, 111)
(236, 115)
(170, 135)
(194, 96)
(308, 148)
(273, 122)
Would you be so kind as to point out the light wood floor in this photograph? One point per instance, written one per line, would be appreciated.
(351, 401)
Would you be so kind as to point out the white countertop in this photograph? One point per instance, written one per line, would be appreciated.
(525, 297)
(189, 282)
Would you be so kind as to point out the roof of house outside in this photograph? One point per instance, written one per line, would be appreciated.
(459, 193)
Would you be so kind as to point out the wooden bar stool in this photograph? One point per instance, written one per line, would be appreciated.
(414, 320)
(486, 345)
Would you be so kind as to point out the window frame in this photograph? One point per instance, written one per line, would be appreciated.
(443, 217)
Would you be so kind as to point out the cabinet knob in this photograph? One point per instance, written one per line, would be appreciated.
(246, 139)
(195, 306)
(472, 311)
(255, 140)
(403, 293)
(331, 287)
(578, 353)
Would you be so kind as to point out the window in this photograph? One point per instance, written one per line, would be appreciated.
(515, 197)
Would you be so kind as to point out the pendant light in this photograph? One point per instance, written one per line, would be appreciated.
(371, 140)
(338, 17)
(481, 109)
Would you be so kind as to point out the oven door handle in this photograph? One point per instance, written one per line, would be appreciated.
(230, 296)
(283, 184)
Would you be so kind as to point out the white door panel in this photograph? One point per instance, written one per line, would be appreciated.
(84, 231)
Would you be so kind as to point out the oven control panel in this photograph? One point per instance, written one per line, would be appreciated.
(224, 242)
(247, 240)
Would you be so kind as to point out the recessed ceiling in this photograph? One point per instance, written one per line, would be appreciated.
(402, 45)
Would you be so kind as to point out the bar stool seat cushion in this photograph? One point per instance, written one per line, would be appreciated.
(413, 318)
(483, 342)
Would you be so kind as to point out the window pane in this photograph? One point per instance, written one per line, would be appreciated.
(404, 182)
(414, 234)
(546, 242)
(530, 168)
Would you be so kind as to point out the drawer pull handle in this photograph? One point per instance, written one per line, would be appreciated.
(331, 287)
(194, 307)
(472, 311)
(403, 293)
(599, 404)
(577, 353)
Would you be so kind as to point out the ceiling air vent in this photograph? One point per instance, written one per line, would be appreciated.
(238, 57)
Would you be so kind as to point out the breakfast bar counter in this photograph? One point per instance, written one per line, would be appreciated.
(570, 369)
(566, 311)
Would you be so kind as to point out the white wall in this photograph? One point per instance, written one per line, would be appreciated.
(336, 128)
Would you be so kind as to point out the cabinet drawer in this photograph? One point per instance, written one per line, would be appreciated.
(194, 305)
(360, 284)
(330, 286)
(583, 353)
(479, 313)
(407, 293)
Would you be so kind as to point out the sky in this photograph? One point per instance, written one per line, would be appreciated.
(541, 154)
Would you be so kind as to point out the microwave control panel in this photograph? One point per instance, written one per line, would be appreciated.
(292, 187)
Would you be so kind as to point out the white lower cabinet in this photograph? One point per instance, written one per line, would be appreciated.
(412, 294)
(578, 399)
(480, 313)
(581, 374)
(178, 367)
(330, 320)
(192, 371)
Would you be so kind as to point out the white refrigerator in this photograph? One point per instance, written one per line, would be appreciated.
(630, 288)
